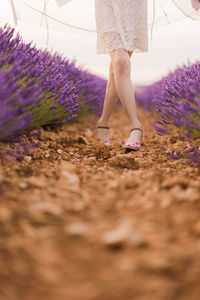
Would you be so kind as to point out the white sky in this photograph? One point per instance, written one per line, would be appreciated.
(172, 45)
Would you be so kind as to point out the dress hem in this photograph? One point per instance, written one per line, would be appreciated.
(136, 50)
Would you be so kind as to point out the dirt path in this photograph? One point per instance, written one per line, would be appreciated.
(81, 222)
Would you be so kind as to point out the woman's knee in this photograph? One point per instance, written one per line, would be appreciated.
(111, 73)
(120, 62)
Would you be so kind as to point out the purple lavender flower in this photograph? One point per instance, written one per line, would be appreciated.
(176, 100)
(38, 87)
(173, 155)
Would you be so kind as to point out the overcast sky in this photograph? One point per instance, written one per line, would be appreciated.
(172, 45)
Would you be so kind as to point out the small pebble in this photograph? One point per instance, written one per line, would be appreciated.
(40, 208)
(27, 158)
(89, 133)
(137, 240)
(81, 140)
(124, 161)
(38, 182)
(188, 194)
(76, 229)
(157, 264)
(176, 181)
(59, 151)
(118, 237)
(23, 185)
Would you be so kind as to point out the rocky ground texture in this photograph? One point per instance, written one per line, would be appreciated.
(80, 221)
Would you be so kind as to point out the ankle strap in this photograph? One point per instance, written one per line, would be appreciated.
(136, 128)
(106, 127)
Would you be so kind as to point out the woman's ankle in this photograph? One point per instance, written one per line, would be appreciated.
(136, 125)
(102, 123)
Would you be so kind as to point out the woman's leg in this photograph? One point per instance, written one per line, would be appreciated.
(110, 102)
(111, 98)
(121, 64)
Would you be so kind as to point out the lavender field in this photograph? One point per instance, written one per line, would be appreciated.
(176, 100)
(38, 87)
(82, 221)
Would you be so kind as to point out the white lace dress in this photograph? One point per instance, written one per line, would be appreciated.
(121, 24)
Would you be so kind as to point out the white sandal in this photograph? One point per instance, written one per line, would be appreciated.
(133, 146)
(106, 142)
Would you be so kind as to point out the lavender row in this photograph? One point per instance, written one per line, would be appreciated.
(38, 87)
(175, 101)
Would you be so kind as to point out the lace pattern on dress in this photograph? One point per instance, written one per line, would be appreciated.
(121, 24)
(110, 41)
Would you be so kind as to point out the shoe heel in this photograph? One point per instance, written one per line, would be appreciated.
(106, 142)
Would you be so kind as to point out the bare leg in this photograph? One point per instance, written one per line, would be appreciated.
(110, 102)
(121, 63)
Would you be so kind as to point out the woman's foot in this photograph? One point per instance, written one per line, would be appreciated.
(102, 133)
(135, 139)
